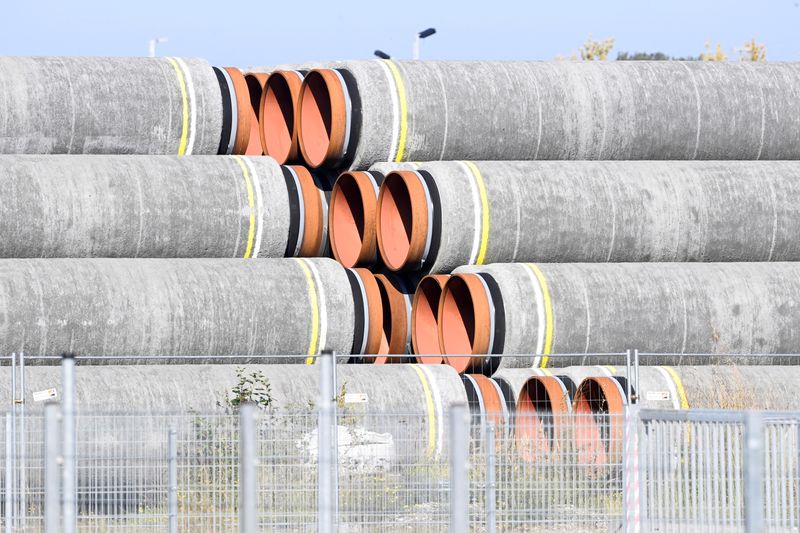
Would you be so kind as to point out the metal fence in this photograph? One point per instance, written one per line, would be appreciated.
(346, 468)
(651, 471)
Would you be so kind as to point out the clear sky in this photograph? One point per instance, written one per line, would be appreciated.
(265, 32)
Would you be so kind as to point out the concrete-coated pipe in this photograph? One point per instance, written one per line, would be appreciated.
(601, 400)
(499, 310)
(201, 388)
(137, 307)
(244, 110)
(230, 112)
(395, 293)
(316, 188)
(159, 206)
(359, 112)
(278, 109)
(393, 414)
(105, 105)
(353, 231)
(540, 417)
(255, 87)
(711, 387)
(487, 401)
(447, 214)
(425, 319)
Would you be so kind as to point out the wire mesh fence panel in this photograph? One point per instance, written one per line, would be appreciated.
(208, 472)
(24, 482)
(393, 472)
(552, 471)
(782, 474)
(536, 472)
(287, 471)
(694, 472)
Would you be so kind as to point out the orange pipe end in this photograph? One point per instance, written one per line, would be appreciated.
(425, 319)
(278, 110)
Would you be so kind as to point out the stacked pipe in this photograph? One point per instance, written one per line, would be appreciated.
(432, 218)
(159, 206)
(179, 307)
(361, 112)
(470, 262)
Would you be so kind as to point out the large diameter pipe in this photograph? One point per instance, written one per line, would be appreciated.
(498, 310)
(255, 87)
(425, 319)
(159, 206)
(352, 218)
(103, 105)
(706, 387)
(487, 401)
(200, 388)
(177, 307)
(417, 398)
(277, 126)
(446, 214)
(395, 293)
(600, 401)
(360, 112)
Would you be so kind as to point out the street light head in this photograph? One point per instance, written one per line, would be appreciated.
(427, 33)
(382, 54)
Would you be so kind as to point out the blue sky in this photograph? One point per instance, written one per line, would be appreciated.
(267, 32)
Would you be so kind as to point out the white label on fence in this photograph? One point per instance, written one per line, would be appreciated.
(42, 395)
(657, 395)
(355, 397)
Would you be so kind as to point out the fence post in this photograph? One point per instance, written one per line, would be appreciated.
(52, 476)
(9, 481)
(631, 486)
(754, 472)
(12, 483)
(172, 495)
(327, 456)
(628, 374)
(68, 481)
(247, 469)
(637, 389)
(491, 481)
(459, 469)
(23, 482)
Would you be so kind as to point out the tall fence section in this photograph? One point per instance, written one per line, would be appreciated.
(335, 466)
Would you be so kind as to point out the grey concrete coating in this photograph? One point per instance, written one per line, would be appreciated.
(135, 206)
(108, 105)
(134, 307)
(185, 388)
(587, 211)
(680, 308)
(576, 110)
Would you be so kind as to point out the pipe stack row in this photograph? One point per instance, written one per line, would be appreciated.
(664, 219)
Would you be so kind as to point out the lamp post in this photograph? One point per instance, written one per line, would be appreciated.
(421, 35)
(152, 45)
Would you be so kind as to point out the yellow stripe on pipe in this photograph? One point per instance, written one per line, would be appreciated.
(484, 212)
(426, 388)
(548, 314)
(312, 296)
(611, 369)
(250, 202)
(401, 97)
(678, 386)
(185, 99)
